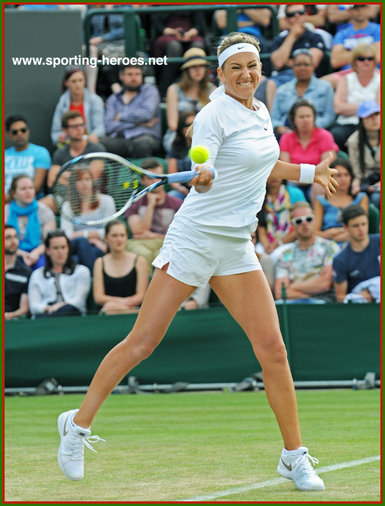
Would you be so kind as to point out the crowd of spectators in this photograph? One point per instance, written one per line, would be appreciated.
(321, 84)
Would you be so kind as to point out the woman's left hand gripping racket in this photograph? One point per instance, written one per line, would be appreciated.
(111, 175)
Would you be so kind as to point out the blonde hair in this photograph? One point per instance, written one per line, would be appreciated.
(300, 205)
(361, 50)
(237, 38)
(186, 82)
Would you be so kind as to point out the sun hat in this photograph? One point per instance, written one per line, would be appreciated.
(367, 108)
(193, 57)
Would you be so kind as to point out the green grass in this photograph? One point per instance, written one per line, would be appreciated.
(168, 447)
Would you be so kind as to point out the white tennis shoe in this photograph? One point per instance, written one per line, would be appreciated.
(297, 466)
(73, 439)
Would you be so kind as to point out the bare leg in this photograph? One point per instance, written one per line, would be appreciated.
(248, 298)
(162, 300)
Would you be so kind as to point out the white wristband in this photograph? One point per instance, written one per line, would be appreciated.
(307, 173)
(85, 234)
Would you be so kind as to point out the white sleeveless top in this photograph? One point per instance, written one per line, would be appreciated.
(357, 94)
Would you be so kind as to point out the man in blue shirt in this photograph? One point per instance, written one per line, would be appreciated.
(359, 31)
(305, 85)
(24, 157)
(356, 270)
(132, 117)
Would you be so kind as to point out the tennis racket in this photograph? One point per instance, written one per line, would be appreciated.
(95, 188)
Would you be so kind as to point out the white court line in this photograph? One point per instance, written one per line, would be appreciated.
(278, 481)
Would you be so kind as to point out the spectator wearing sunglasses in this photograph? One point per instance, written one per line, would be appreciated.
(315, 21)
(74, 130)
(359, 31)
(23, 157)
(297, 36)
(304, 269)
(362, 84)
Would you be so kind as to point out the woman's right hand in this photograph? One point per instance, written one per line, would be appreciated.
(271, 246)
(172, 31)
(62, 137)
(203, 181)
(94, 41)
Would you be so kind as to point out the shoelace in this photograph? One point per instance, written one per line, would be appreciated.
(93, 440)
(75, 444)
(308, 468)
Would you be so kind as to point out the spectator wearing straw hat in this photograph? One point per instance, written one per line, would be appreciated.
(175, 33)
(190, 93)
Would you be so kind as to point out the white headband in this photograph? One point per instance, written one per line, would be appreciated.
(242, 47)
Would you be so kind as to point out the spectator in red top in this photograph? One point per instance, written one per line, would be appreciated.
(306, 143)
(76, 97)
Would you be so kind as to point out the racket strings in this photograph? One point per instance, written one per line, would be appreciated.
(94, 189)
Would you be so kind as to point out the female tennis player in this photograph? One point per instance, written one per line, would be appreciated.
(209, 242)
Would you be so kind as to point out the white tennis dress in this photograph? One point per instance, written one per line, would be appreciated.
(210, 234)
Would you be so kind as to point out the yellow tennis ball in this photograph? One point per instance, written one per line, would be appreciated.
(200, 154)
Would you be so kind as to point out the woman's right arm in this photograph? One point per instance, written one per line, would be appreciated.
(341, 104)
(333, 233)
(98, 283)
(96, 116)
(66, 224)
(35, 288)
(354, 155)
(318, 216)
(262, 238)
(172, 108)
(56, 129)
(142, 280)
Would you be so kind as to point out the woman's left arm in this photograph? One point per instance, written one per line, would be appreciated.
(326, 154)
(284, 156)
(364, 203)
(47, 227)
(142, 281)
(96, 116)
(323, 173)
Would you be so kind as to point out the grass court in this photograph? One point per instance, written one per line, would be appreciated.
(175, 447)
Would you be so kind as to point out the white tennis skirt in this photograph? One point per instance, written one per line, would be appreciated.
(195, 255)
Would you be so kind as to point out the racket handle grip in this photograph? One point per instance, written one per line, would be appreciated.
(185, 177)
